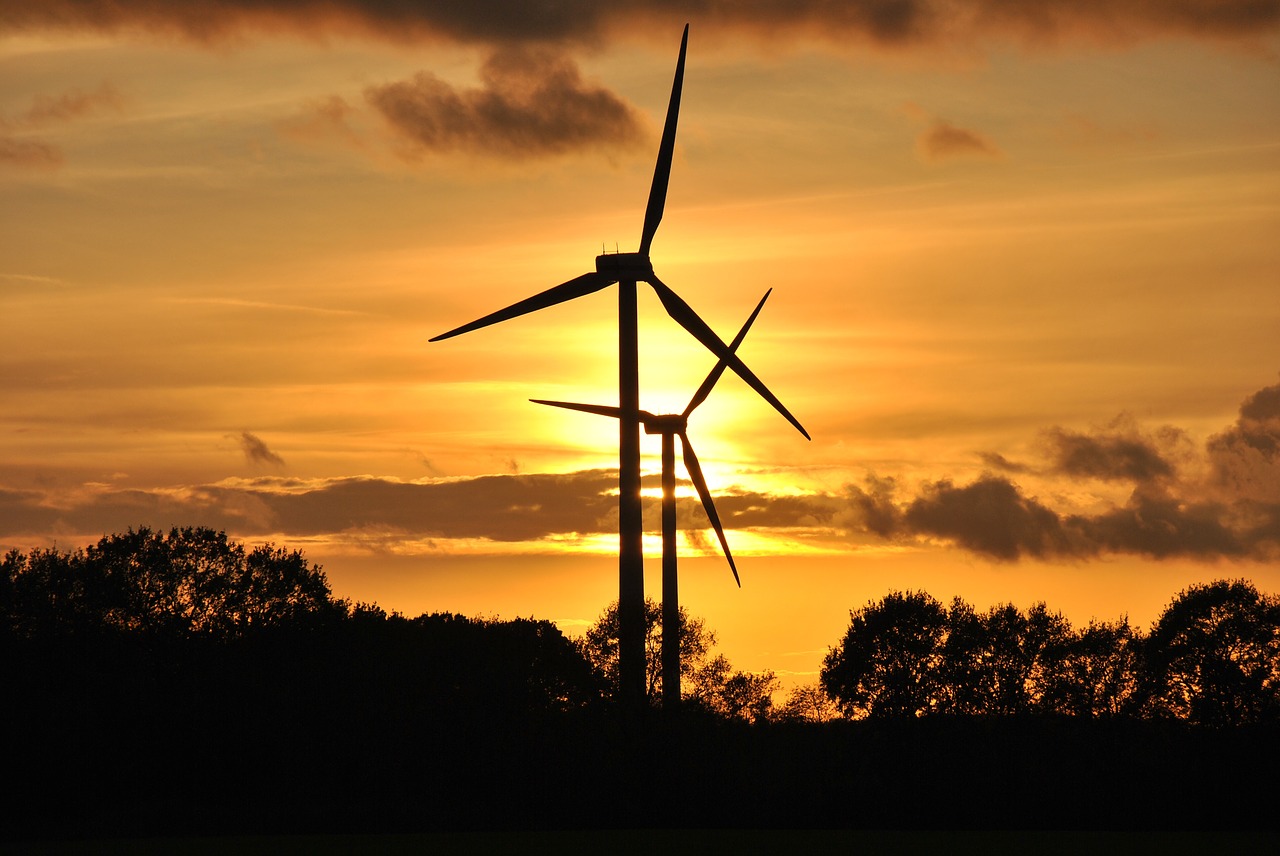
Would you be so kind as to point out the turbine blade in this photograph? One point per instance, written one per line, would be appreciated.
(689, 320)
(708, 384)
(598, 409)
(700, 483)
(662, 171)
(580, 286)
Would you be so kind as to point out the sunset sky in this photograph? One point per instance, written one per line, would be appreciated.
(1025, 260)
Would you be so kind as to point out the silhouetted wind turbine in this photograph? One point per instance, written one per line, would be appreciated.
(670, 426)
(627, 269)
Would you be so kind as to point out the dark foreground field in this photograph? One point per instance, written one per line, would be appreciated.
(314, 775)
(179, 689)
(678, 843)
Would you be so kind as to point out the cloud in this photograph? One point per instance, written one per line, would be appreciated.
(1160, 525)
(324, 120)
(256, 451)
(73, 104)
(989, 516)
(872, 508)
(942, 140)
(997, 461)
(29, 154)
(1245, 458)
(891, 23)
(1234, 515)
(530, 104)
(1112, 456)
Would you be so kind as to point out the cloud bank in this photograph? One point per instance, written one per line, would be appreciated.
(1233, 513)
(890, 23)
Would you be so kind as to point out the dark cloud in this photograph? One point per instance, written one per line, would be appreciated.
(256, 451)
(530, 104)
(1263, 406)
(989, 516)
(872, 508)
(997, 461)
(1110, 456)
(1159, 525)
(943, 140)
(894, 23)
(498, 508)
(1246, 457)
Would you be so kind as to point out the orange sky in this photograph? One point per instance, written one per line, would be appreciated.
(1024, 261)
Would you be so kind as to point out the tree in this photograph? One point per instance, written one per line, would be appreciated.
(192, 581)
(1098, 674)
(999, 662)
(710, 683)
(600, 644)
(1213, 656)
(888, 663)
(719, 688)
(808, 703)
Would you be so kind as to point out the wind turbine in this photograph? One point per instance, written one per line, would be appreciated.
(628, 269)
(670, 426)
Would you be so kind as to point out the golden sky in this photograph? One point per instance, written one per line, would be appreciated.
(1025, 261)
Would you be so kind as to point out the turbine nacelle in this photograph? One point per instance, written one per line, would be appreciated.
(625, 267)
(671, 423)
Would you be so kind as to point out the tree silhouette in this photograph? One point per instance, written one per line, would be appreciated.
(889, 661)
(190, 582)
(907, 655)
(719, 688)
(1000, 662)
(1213, 656)
(1098, 672)
(710, 683)
(808, 703)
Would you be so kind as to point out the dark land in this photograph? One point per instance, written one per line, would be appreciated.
(296, 716)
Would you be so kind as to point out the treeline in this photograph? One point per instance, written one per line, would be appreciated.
(190, 614)
(1211, 658)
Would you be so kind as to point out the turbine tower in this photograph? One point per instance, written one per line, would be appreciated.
(670, 426)
(628, 269)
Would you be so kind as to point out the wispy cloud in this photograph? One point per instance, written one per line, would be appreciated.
(18, 149)
(943, 140)
(324, 120)
(29, 153)
(256, 451)
(48, 110)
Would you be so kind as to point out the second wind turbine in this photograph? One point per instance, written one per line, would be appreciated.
(670, 426)
(628, 269)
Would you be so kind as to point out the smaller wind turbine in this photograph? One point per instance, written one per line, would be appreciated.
(670, 426)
